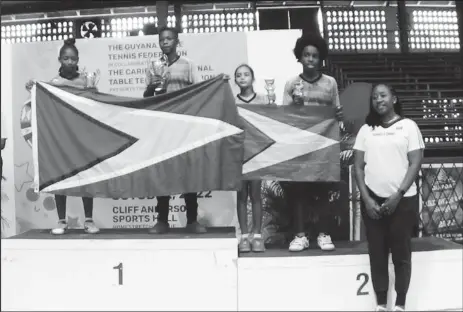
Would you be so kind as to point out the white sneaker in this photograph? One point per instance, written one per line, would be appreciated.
(398, 308)
(299, 244)
(381, 308)
(60, 229)
(90, 227)
(324, 242)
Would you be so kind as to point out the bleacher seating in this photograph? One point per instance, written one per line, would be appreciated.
(429, 86)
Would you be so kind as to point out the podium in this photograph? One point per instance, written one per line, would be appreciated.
(120, 270)
(130, 270)
(340, 280)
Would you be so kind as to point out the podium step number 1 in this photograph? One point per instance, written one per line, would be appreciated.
(120, 271)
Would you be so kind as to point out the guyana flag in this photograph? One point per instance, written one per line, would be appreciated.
(87, 143)
(92, 144)
(290, 143)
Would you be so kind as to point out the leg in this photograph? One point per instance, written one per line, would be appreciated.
(162, 225)
(242, 201)
(298, 209)
(191, 202)
(325, 219)
(88, 207)
(89, 225)
(256, 200)
(401, 226)
(62, 226)
(163, 208)
(378, 250)
(296, 202)
(60, 201)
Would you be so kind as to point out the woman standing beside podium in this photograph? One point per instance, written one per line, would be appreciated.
(70, 76)
(388, 155)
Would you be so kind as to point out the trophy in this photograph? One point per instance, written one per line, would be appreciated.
(157, 68)
(270, 87)
(298, 91)
(92, 78)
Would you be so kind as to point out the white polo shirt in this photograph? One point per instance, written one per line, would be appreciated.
(386, 152)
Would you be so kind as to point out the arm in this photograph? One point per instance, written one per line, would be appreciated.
(3, 141)
(414, 155)
(194, 74)
(287, 94)
(371, 206)
(359, 170)
(415, 158)
(336, 101)
(335, 94)
(149, 91)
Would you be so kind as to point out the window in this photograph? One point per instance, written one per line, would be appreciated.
(356, 30)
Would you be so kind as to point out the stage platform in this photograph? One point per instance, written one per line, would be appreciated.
(120, 270)
(129, 269)
(340, 280)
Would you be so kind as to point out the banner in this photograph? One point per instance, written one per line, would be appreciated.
(92, 144)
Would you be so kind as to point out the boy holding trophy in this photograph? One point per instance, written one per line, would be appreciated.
(170, 73)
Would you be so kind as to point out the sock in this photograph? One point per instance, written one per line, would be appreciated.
(245, 236)
(257, 235)
(88, 219)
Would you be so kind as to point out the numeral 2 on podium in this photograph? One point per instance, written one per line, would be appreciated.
(120, 268)
(366, 278)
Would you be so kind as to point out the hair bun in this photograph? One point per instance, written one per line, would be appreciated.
(70, 41)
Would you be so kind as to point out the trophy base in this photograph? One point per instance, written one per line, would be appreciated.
(160, 91)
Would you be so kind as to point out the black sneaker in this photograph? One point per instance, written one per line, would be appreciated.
(160, 227)
(195, 227)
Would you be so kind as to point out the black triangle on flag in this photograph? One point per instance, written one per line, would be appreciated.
(60, 153)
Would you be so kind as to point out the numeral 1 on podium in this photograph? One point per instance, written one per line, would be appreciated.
(120, 268)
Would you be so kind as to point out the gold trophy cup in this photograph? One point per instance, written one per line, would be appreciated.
(270, 87)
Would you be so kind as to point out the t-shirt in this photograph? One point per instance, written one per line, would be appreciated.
(386, 149)
(181, 73)
(255, 99)
(323, 91)
(78, 82)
